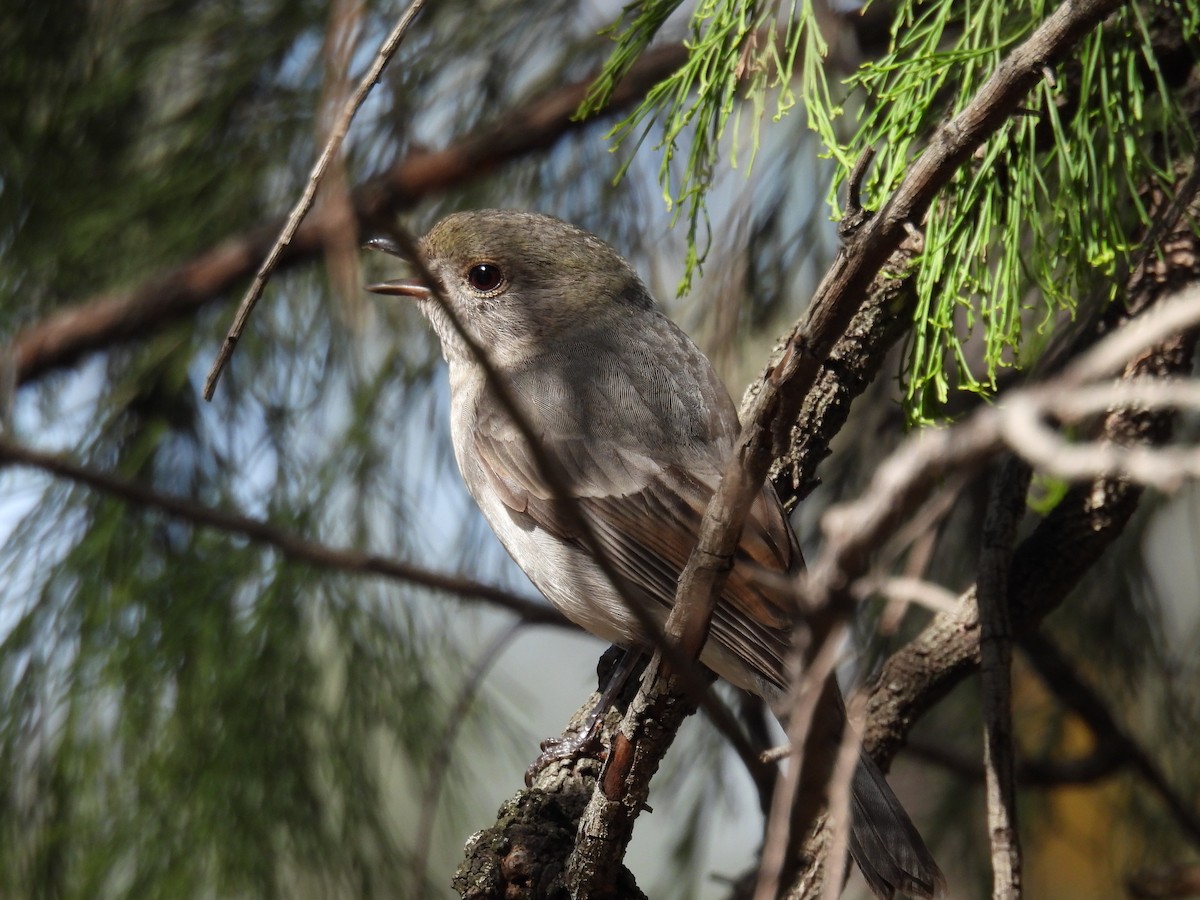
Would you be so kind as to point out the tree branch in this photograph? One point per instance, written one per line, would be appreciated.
(290, 545)
(784, 387)
(1005, 509)
(64, 337)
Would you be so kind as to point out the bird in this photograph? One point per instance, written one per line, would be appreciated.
(633, 428)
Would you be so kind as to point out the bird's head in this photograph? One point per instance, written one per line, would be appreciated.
(516, 282)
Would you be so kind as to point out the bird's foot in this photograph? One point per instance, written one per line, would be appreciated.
(584, 742)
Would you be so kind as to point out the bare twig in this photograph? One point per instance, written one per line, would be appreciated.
(840, 791)
(856, 216)
(892, 588)
(813, 720)
(908, 590)
(1024, 427)
(1005, 508)
(336, 135)
(1175, 315)
(290, 545)
(61, 339)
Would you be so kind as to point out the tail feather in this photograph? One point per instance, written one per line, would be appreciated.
(885, 843)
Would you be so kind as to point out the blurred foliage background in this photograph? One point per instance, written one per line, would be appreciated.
(186, 713)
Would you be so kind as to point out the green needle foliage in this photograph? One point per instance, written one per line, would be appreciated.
(1008, 247)
(1009, 243)
(735, 47)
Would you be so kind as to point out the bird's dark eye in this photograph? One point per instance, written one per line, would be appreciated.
(485, 277)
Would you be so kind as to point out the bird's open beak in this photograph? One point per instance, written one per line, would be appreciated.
(400, 287)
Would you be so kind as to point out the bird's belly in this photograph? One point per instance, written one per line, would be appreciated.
(566, 576)
(577, 587)
(572, 581)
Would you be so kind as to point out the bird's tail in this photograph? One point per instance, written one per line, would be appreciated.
(885, 843)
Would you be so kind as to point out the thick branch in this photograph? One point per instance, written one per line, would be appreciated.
(883, 319)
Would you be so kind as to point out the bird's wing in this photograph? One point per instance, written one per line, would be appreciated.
(645, 516)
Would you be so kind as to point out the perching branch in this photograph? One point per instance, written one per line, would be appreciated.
(830, 313)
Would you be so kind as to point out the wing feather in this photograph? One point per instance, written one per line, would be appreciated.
(646, 518)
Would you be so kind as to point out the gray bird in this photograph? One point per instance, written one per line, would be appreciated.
(639, 427)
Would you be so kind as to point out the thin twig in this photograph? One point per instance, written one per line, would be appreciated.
(336, 135)
(840, 787)
(787, 815)
(901, 589)
(290, 545)
(856, 216)
(906, 590)
(1005, 508)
